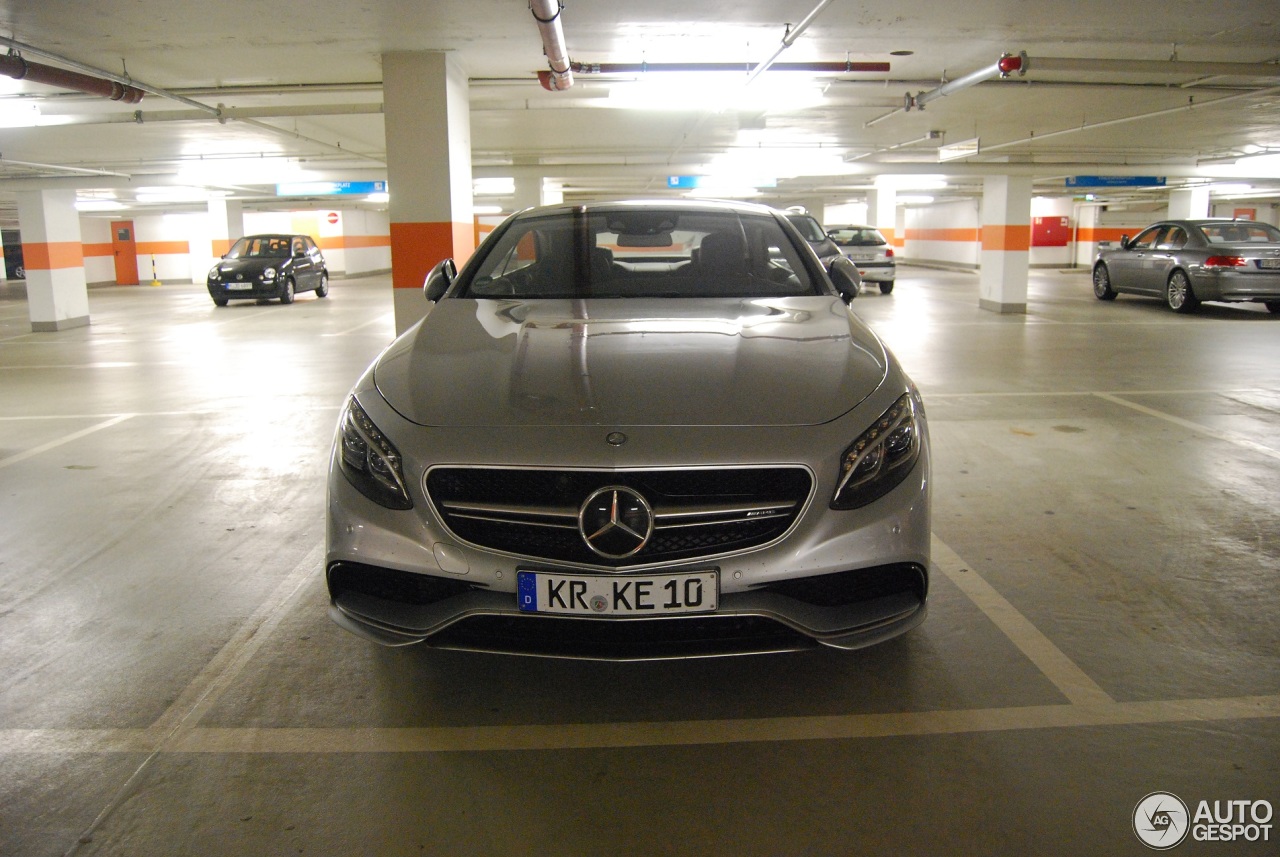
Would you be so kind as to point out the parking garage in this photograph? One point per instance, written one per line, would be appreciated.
(1098, 668)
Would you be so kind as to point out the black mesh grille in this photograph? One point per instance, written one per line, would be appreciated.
(390, 585)
(533, 513)
(622, 639)
(851, 587)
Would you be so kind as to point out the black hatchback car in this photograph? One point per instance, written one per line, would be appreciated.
(259, 267)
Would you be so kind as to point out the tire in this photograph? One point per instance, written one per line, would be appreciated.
(1179, 294)
(886, 288)
(1273, 307)
(219, 301)
(322, 290)
(1102, 284)
(286, 292)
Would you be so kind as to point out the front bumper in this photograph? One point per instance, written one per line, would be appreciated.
(256, 290)
(878, 603)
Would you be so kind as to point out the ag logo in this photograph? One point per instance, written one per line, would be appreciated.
(1161, 821)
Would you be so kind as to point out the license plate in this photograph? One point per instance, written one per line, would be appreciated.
(617, 595)
(1269, 263)
(242, 286)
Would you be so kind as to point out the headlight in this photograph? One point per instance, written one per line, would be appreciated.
(369, 461)
(880, 458)
(214, 273)
(269, 274)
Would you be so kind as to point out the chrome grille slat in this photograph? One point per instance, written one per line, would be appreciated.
(698, 513)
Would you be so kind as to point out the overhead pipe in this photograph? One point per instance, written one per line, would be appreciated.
(560, 74)
(12, 65)
(788, 40)
(846, 67)
(1003, 67)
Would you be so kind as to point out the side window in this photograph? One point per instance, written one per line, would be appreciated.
(1147, 239)
(1173, 239)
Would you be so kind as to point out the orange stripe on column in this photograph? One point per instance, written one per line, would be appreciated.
(961, 235)
(1009, 239)
(163, 248)
(98, 250)
(53, 255)
(417, 247)
(1097, 233)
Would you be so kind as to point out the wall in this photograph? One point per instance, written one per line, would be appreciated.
(180, 245)
(946, 234)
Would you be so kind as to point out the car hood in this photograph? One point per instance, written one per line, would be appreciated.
(784, 361)
(251, 266)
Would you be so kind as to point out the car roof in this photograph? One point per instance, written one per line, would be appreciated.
(690, 205)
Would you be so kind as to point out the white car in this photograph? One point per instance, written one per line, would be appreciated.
(867, 248)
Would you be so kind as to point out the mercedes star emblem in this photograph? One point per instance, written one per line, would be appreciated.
(616, 522)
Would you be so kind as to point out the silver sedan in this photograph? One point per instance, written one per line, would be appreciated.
(1189, 261)
(632, 431)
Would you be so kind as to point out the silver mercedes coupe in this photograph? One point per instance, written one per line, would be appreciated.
(632, 431)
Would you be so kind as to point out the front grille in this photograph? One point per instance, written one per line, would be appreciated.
(697, 513)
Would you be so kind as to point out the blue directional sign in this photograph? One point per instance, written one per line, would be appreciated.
(330, 188)
(1115, 181)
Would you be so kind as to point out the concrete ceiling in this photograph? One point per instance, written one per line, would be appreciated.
(300, 94)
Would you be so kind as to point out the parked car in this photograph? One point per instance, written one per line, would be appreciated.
(828, 253)
(632, 431)
(867, 248)
(1189, 261)
(259, 267)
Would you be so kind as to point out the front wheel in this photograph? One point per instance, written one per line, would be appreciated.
(886, 288)
(1102, 284)
(286, 292)
(219, 301)
(1273, 307)
(1179, 294)
(322, 290)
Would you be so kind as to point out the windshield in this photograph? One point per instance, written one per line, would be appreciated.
(807, 226)
(857, 236)
(641, 253)
(260, 247)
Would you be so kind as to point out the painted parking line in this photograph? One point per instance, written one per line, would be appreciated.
(1229, 437)
(54, 444)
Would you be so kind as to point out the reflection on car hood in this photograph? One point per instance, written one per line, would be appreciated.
(232, 266)
(781, 361)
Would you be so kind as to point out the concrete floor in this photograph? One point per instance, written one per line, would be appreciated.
(1105, 617)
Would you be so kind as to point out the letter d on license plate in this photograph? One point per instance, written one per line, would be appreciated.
(617, 595)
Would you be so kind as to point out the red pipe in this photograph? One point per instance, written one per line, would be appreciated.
(19, 69)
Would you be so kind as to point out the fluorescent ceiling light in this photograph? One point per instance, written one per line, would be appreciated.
(486, 209)
(19, 114)
(715, 92)
(909, 182)
(1262, 166)
(172, 194)
(378, 197)
(98, 205)
(1228, 189)
(914, 199)
(499, 186)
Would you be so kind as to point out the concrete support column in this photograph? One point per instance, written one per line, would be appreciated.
(528, 193)
(882, 212)
(1189, 204)
(52, 252)
(428, 126)
(226, 224)
(1086, 234)
(1006, 243)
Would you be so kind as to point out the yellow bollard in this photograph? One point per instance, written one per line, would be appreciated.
(155, 281)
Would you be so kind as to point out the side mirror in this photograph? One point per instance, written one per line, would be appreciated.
(1124, 242)
(439, 280)
(845, 277)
